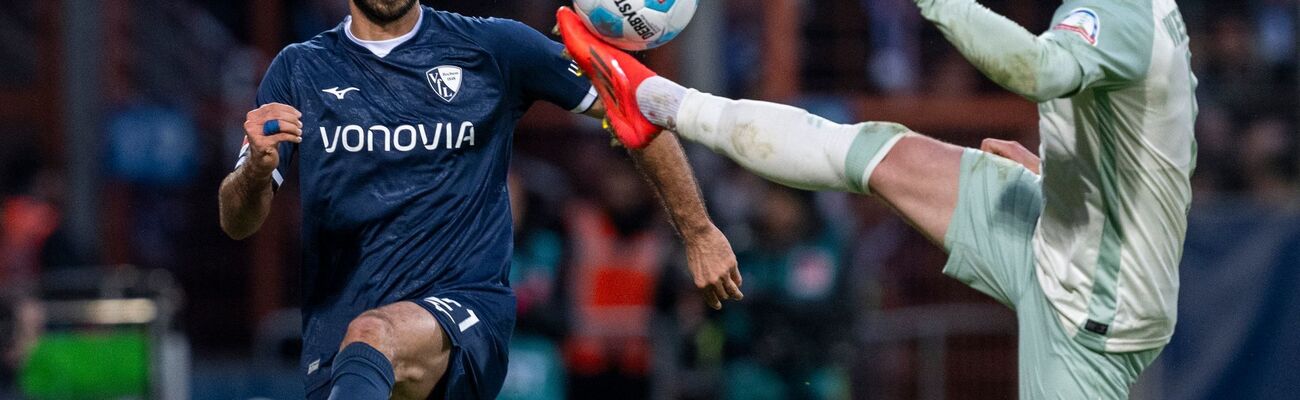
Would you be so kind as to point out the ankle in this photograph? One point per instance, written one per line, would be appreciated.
(660, 100)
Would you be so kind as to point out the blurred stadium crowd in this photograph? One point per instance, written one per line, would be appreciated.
(843, 299)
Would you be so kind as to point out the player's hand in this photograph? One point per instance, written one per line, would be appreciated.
(1012, 151)
(263, 143)
(713, 267)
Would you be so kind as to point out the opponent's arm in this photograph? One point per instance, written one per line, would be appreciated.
(709, 254)
(246, 194)
(1006, 52)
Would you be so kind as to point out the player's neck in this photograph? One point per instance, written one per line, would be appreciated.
(365, 29)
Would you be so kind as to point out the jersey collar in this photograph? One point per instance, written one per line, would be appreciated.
(382, 48)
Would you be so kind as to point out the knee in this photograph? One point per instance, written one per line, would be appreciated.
(371, 327)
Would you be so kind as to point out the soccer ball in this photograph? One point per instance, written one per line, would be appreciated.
(636, 25)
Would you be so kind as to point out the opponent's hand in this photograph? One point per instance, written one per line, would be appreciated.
(713, 267)
(263, 143)
(1012, 151)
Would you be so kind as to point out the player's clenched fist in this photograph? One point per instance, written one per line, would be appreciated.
(267, 127)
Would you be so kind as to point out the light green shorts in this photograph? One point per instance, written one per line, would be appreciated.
(990, 243)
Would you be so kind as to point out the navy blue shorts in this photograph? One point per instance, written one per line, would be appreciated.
(479, 324)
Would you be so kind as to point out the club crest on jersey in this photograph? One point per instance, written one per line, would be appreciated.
(1083, 22)
(445, 81)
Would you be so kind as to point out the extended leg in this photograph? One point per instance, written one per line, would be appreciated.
(916, 175)
(980, 207)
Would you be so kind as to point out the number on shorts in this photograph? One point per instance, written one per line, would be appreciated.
(446, 306)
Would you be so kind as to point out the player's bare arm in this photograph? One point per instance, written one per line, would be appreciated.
(245, 197)
(708, 252)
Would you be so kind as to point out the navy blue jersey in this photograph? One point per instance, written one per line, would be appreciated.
(404, 159)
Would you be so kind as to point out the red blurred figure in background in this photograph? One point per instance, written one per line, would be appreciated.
(619, 255)
(28, 223)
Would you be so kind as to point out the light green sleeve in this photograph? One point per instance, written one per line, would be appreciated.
(1113, 46)
(1006, 52)
(1041, 68)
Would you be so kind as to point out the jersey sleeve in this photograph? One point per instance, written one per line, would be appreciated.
(540, 71)
(1093, 43)
(1110, 40)
(276, 87)
(1004, 51)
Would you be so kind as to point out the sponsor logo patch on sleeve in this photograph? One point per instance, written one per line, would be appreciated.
(1083, 22)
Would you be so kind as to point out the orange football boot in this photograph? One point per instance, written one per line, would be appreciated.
(616, 76)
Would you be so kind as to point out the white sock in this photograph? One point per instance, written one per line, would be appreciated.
(659, 99)
(788, 145)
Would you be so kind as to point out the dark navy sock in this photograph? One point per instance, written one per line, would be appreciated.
(361, 373)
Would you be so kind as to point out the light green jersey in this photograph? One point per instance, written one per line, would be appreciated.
(1114, 81)
(1117, 158)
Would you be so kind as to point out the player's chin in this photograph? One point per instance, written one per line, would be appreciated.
(384, 11)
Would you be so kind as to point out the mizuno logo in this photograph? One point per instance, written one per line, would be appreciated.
(340, 93)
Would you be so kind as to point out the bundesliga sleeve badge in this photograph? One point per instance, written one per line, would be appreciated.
(1083, 22)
